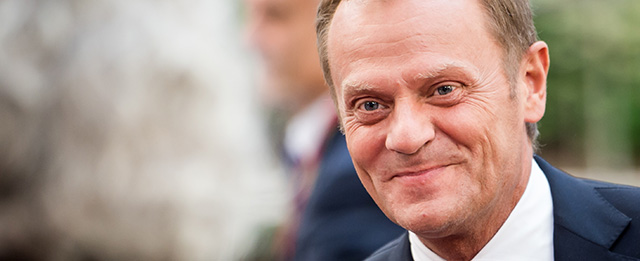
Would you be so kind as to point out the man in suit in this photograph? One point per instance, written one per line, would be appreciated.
(332, 212)
(439, 101)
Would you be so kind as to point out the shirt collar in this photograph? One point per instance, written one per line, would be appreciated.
(527, 234)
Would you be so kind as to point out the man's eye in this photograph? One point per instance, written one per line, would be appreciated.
(370, 105)
(445, 89)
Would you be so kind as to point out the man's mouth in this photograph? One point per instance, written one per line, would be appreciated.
(424, 172)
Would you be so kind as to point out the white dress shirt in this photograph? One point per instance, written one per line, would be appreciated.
(527, 234)
(306, 131)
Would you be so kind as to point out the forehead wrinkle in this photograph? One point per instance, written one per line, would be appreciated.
(372, 46)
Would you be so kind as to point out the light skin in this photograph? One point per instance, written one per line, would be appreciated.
(283, 33)
(435, 134)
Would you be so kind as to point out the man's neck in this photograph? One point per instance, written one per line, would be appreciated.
(466, 245)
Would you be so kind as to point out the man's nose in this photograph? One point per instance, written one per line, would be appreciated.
(411, 128)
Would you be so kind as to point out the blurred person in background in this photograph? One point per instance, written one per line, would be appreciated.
(333, 218)
(116, 141)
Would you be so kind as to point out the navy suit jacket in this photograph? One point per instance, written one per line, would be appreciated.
(593, 220)
(340, 220)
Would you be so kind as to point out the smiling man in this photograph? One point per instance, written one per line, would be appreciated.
(439, 102)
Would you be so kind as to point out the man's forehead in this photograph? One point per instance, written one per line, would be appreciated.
(378, 7)
(398, 19)
(364, 27)
(283, 3)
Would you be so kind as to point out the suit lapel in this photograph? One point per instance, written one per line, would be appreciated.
(396, 250)
(403, 252)
(585, 224)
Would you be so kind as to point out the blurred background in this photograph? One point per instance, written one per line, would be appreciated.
(132, 129)
(592, 124)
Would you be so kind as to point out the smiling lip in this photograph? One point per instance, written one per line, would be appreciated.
(423, 172)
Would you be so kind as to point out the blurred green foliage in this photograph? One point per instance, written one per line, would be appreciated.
(593, 102)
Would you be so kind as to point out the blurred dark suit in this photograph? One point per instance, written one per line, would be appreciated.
(340, 220)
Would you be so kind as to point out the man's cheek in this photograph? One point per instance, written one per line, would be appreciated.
(363, 150)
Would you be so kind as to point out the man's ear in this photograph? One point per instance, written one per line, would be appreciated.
(536, 65)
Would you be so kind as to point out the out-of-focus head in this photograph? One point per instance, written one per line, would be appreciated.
(283, 33)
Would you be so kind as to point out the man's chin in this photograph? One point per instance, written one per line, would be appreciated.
(425, 219)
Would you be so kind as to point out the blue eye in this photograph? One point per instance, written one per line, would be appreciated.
(444, 90)
(370, 105)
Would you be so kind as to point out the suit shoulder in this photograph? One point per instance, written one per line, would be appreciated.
(623, 197)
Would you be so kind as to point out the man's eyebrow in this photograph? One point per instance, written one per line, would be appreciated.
(353, 87)
(453, 67)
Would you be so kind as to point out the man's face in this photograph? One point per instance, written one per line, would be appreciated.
(283, 32)
(435, 135)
